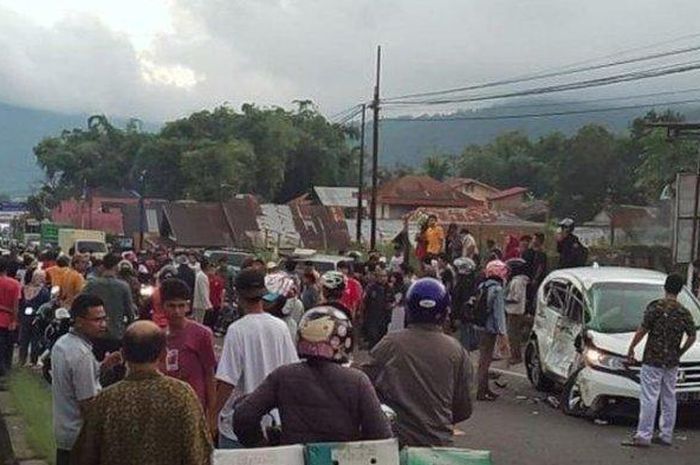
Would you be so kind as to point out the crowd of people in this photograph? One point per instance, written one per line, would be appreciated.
(284, 374)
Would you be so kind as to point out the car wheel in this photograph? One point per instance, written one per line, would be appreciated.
(572, 399)
(533, 367)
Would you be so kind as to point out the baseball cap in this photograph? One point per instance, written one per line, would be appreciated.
(250, 283)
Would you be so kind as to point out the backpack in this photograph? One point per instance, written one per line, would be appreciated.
(581, 257)
(477, 312)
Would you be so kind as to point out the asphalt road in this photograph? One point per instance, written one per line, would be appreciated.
(522, 428)
(529, 431)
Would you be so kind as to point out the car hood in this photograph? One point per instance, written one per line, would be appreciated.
(618, 343)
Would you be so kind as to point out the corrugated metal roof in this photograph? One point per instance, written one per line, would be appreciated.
(277, 224)
(343, 197)
(211, 224)
(321, 228)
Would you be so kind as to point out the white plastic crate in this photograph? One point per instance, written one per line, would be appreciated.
(285, 455)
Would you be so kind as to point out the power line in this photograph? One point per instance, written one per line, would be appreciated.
(350, 117)
(539, 115)
(344, 113)
(597, 82)
(589, 101)
(545, 74)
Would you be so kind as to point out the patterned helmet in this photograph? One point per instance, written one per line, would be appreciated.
(333, 280)
(325, 333)
(427, 301)
(464, 265)
(496, 269)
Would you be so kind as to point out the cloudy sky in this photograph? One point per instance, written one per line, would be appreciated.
(159, 59)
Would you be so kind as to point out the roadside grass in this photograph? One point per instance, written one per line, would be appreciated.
(32, 399)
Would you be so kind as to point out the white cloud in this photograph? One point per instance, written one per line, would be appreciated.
(158, 59)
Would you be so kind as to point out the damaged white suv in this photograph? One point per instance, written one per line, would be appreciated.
(585, 320)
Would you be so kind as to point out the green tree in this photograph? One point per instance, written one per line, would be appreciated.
(214, 167)
(437, 166)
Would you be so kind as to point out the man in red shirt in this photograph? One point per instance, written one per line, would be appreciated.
(217, 291)
(190, 347)
(10, 291)
(352, 295)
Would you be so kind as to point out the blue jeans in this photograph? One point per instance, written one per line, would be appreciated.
(658, 387)
(226, 443)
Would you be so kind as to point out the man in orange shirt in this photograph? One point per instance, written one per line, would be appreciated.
(10, 291)
(435, 236)
(73, 280)
(56, 274)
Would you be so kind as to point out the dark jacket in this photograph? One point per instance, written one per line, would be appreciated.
(317, 402)
(571, 252)
(424, 376)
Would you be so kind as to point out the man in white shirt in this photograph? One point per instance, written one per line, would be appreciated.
(254, 346)
(201, 302)
(469, 249)
(76, 372)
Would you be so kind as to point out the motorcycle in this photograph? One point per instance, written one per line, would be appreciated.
(57, 326)
(229, 314)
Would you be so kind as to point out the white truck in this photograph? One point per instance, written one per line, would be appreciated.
(84, 241)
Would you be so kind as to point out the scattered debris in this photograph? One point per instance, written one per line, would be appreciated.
(535, 412)
(681, 438)
(520, 397)
(600, 422)
(553, 402)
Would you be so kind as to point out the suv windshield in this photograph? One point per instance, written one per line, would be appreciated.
(619, 307)
(91, 247)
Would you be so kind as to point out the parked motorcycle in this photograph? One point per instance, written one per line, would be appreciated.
(58, 326)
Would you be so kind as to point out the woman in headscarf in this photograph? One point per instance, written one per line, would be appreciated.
(34, 295)
(512, 249)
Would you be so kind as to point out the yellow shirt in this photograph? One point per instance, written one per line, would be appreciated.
(435, 237)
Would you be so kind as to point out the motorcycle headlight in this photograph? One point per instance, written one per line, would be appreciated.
(147, 291)
(597, 358)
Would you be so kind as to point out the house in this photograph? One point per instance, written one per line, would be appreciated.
(633, 224)
(509, 200)
(344, 198)
(212, 224)
(473, 187)
(397, 197)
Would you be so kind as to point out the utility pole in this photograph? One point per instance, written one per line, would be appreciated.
(361, 179)
(686, 131)
(375, 150)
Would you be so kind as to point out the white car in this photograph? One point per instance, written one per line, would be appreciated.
(585, 321)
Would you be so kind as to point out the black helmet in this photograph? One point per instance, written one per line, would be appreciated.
(567, 224)
(517, 266)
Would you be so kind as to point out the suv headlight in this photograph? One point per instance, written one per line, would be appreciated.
(597, 358)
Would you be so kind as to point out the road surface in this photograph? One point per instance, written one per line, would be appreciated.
(529, 431)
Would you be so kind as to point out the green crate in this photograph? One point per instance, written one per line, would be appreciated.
(444, 456)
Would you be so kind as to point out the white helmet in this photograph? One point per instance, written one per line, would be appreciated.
(333, 280)
(464, 265)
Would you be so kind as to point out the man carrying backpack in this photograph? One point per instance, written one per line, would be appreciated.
(490, 315)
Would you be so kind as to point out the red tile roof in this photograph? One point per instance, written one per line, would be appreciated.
(471, 216)
(423, 191)
(458, 183)
(509, 193)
